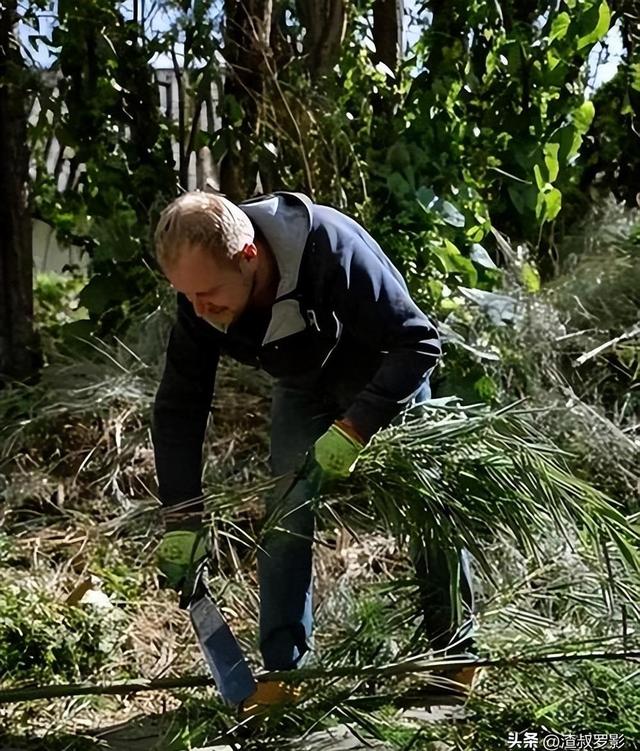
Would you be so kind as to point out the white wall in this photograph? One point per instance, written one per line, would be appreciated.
(48, 255)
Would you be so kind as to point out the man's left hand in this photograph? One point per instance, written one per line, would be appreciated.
(178, 556)
(337, 451)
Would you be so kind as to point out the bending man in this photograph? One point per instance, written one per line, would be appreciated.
(304, 292)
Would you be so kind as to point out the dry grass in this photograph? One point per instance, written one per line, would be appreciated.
(80, 502)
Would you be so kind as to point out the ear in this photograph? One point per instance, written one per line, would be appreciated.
(249, 251)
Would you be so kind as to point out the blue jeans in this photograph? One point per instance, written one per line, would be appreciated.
(301, 412)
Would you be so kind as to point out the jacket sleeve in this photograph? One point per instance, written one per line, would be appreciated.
(373, 304)
(182, 406)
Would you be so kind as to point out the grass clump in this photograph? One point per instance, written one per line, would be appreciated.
(45, 641)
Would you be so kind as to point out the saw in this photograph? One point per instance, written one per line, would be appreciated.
(224, 657)
(226, 661)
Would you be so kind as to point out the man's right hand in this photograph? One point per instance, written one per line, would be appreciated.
(178, 556)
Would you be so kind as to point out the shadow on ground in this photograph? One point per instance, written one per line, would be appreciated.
(202, 729)
(169, 731)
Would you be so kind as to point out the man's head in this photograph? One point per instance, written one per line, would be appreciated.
(205, 247)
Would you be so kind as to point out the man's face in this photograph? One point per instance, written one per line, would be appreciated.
(218, 288)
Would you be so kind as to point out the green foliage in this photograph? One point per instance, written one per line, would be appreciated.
(367, 635)
(530, 278)
(56, 305)
(45, 641)
(570, 346)
(482, 125)
(488, 130)
(611, 156)
(600, 265)
(465, 474)
(105, 113)
(378, 626)
(586, 698)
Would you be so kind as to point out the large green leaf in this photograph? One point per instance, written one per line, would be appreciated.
(582, 117)
(398, 185)
(551, 160)
(480, 257)
(425, 197)
(530, 278)
(560, 26)
(445, 210)
(549, 203)
(449, 213)
(568, 141)
(594, 24)
(453, 262)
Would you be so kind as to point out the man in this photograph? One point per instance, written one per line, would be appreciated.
(306, 293)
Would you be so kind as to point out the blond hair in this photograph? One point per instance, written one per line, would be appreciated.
(205, 220)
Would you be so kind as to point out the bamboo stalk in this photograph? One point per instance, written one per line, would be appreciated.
(410, 666)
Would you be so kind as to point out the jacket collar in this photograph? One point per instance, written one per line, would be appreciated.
(285, 221)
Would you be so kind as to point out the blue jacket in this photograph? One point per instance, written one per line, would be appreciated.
(341, 309)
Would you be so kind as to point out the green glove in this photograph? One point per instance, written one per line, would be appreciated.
(336, 452)
(178, 556)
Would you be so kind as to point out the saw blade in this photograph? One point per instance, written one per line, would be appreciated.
(225, 659)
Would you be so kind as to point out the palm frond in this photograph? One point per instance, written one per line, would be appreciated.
(464, 477)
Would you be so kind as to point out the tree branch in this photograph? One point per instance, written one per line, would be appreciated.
(407, 667)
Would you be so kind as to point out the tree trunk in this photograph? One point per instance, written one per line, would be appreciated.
(448, 25)
(388, 16)
(246, 49)
(387, 32)
(18, 357)
(325, 23)
(629, 15)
